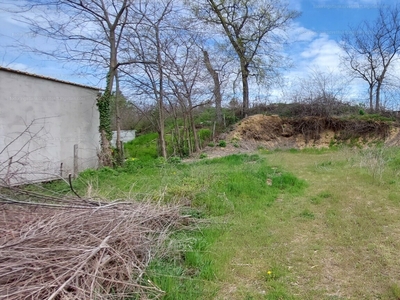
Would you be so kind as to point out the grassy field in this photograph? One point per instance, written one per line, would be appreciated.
(345, 230)
(313, 224)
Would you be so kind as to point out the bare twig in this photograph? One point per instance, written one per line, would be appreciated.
(70, 185)
(93, 253)
(68, 252)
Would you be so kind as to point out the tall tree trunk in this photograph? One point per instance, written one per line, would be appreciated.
(161, 129)
(244, 68)
(217, 88)
(193, 129)
(371, 97)
(186, 128)
(378, 95)
(103, 104)
(120, 152)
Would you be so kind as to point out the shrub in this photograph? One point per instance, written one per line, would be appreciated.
(222, 143)
(204, 134)
(174, 160)
(203, 155)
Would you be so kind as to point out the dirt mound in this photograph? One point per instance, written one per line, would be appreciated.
(273, 132)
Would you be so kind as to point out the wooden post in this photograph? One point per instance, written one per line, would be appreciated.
(122, 154)
(76, 170)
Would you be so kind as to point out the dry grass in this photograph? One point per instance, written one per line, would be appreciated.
(339, 240)
(78, 250)
(349, 250)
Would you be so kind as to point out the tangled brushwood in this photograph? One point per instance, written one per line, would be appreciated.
(71, 249)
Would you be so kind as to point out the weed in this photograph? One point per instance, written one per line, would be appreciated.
(325, 164)
(222, 143)
(264, 151)
(271, 275)
(325, 195)
(375, 117)
(374, 160)
(307, 214)
(333, 143)
(161, 161)
(279, 293)
(203, 155)
(315, 200)
(395, 290)
(204, 135)
(394, 198)
(174, 160)
(320, 197)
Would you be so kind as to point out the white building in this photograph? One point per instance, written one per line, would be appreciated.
(48, 127)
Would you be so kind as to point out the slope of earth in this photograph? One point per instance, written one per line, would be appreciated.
(273, 132)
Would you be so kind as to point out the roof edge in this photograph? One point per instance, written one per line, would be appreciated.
(48, 78)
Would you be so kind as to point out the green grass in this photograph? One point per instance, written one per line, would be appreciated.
(233, 192)
(328, 229)
(374, 117)
(143, 147)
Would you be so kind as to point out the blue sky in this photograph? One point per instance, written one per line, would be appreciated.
(316, 33)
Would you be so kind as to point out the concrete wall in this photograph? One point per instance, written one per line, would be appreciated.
(40, 122)
(125, 135)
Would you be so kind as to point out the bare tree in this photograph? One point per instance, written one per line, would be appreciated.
(320, 93)
(371, 48)
(18, 152)
(217, 86)
(251, 27)
(186, 77)
(89, 33)
(149, 37)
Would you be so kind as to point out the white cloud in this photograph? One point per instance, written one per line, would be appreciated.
(348, 3)
(317, 52)
(295, 4)
(323, 53)
(299, 33)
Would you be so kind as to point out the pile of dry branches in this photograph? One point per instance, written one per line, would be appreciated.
(80, 250)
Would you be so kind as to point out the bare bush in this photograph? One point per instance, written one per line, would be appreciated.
(16, 155)
(374, 160)
(72, 249)
(320, 94)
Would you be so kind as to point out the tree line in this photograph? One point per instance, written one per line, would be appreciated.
(178, 55)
